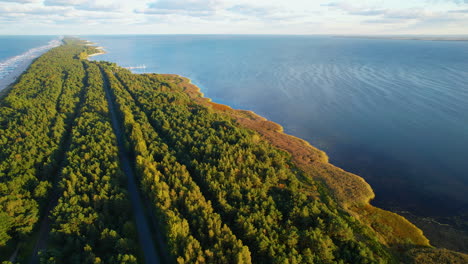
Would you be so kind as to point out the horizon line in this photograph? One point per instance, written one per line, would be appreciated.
(240, 34)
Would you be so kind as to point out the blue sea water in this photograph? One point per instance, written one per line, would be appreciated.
(16, 49)
(11, 46)
(392, 111)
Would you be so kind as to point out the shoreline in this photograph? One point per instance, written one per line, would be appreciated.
(96, 54)
(349, 194)
(346, 185)
(245, 116)
(100, 50)
(351, 191)
(421, 38)
(30, 56)
(15, 74)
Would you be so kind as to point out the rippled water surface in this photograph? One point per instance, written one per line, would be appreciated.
(393, 111)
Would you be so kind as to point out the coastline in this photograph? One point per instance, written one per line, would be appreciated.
(351, 191)
(14, 75)
(308, 153)
(358, 190)
(100, 51)
(421, 38)
(96, 54)
(23, 65)
(89, 43)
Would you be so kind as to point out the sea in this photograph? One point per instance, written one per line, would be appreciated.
(392, 111)
(14, 50)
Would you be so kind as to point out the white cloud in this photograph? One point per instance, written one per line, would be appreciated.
(461, 11)
(31, 10)
(64, 2)
(201, 8)
(255, 11)
(21, 1)
(192, 5)
(90, 5)
(233, 16)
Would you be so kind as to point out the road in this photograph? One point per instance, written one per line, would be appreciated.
(143, 228)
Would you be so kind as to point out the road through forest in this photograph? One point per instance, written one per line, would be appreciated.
(143, 228)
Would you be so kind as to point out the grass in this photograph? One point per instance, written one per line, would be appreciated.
(436, 256)
(393, 229)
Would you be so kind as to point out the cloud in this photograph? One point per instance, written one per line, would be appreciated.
(355, 10)
(429, 18)
(444, 23)
(193, 5)
(88, 5)
(383, 21)
(57, 15)
(64, 2)
(233, 16)
(331, 4)
(462, 11)
(157, 11)
(21, 1)
(414, 13)
(266, 13)
(29, 10)
(181, 7)
(383, 15)
(249, 10)
(459, 2)
(93, 6)
(369, 12)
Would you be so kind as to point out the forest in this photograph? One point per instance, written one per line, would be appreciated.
(213, 189)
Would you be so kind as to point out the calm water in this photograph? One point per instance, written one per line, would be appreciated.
(16, 49)
(392, 111)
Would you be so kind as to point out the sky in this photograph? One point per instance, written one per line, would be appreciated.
(366, 17)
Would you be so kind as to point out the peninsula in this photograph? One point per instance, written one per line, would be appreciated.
(100, 165)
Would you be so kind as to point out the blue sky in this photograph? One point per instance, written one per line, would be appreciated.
(429, 17)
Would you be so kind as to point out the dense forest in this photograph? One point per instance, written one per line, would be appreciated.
(214, 189)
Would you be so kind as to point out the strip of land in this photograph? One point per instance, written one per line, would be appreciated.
(220, 185)
(426, 38)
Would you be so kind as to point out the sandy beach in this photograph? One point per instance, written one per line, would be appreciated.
(20, 63)
(12, 76)
(100, 52)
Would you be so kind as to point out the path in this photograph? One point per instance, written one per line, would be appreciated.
(144, 232)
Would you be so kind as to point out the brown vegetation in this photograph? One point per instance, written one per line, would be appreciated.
(436, 256)
(393, 229)
(347, 188)
(351, 191)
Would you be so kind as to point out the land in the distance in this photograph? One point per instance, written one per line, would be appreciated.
(100, 165)
(410, 37)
